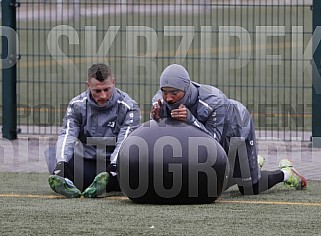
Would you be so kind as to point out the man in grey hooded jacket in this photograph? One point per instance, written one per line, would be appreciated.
(95, 124)
(227, 121)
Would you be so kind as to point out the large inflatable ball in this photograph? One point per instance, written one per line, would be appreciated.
(170, 162)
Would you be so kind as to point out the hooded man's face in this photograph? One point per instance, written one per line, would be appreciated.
(172, 95)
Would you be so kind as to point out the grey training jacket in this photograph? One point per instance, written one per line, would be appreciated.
(94, 131)
(226, 120)
(212, 112)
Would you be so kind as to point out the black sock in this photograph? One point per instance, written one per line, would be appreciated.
(268, 180)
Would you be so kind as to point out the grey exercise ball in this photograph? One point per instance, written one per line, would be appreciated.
(171, 162)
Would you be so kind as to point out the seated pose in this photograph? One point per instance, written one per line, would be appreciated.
(228, 122)
(95, 124)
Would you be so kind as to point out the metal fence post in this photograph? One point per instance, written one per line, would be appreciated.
(9, 71)
(316, 78)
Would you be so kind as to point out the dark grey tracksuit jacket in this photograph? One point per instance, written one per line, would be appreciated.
(94, 126)
(226, 120)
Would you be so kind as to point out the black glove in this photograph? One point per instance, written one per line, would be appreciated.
(111, 168)
(62, 170)
(190, 118)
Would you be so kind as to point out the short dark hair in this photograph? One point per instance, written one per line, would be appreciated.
(99, 72)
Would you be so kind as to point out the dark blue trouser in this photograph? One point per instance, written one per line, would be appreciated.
(83, 170)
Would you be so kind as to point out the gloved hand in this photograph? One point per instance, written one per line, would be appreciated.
(190, 118)
(182, 113)
(111, 169)
(155, 113)
(62, 170)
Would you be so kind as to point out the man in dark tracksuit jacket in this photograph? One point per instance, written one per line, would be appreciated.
(96, 123)
(227, 121)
